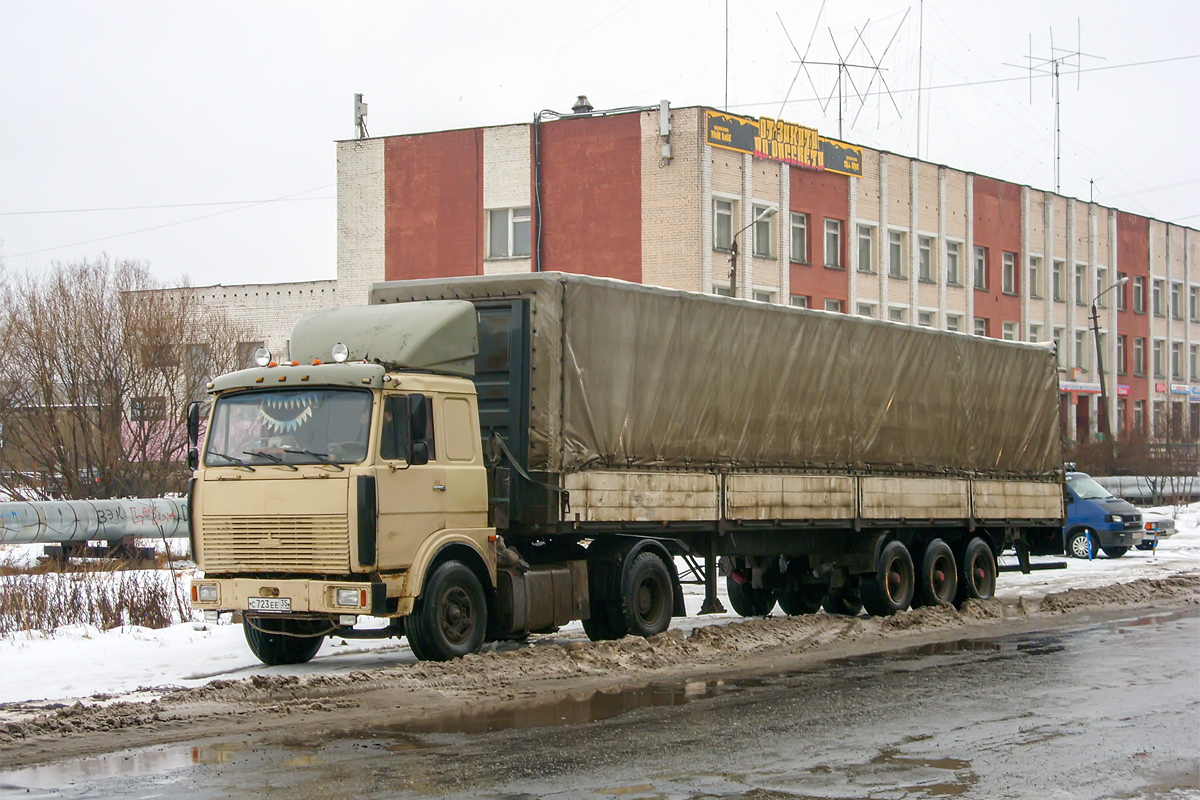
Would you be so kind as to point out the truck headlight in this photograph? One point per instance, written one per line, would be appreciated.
(207, 593)
(1114, 518)
(349, 598)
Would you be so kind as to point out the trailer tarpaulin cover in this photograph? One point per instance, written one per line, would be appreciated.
(631, 376)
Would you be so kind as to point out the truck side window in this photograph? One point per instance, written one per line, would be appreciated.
(395, 429)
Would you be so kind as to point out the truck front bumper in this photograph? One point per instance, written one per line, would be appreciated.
(267, 596)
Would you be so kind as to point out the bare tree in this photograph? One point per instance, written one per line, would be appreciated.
(101, 360)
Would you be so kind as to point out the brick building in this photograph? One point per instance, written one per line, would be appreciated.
(663, 196)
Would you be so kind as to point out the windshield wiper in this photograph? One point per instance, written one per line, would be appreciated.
(273, 457)
(235, 460)
(322, 457)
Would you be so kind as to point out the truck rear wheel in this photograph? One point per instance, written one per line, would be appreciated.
(937, 583)
(450, 617)
(842, 602)
(891, 588)
(647, 599)
(797, 598)
(275, 641)
(977, 576)
(748, 600)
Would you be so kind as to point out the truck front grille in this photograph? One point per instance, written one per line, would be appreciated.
(309, 543)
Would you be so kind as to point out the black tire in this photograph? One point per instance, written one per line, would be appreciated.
(598, 627)
(891, 587)
(1081, 545)
(842, 602)
(1115, 552)
(937, 582)
(647, 599)
(798, 598)
(977, 573)
(276, 641)
(450, 617)
(748, 601)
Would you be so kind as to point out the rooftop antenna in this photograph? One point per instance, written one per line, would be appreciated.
(844, 67)
(360, 117)
(1052, 65)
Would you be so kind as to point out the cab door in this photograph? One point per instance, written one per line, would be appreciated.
(410, 498)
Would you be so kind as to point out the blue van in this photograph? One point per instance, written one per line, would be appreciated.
(1096, 520)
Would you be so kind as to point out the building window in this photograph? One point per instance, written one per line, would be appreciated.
(1139, 417)
(1101, 285)
(1081, 350)
(833, 305)
(1156, 302)
(1121, 366)
(1122, 415)
(1035, 276)
(1080, 284)
(897, 314)
(245, 354)
(1177, 360)
(801, 301)
(896, 254)
(1193, 362)
(833, 243)
(723, 291)
(981, 254)
(952, 253)
(800, 238)
(1159, 367)
(508, 233)
(763, 232)
(925, 319)
(1139, 295)
(1035, 333)
(1139, 356)
(764, 297)
(723, 224)
(1121, 291)
(925, 259)
(148, 409)
(1058, 345)
(866, 310)
(981, 326)
(954, 322)
(866, 235)
(1177, 300)
(1057, 278)
(1008, 331)
(1009, 273)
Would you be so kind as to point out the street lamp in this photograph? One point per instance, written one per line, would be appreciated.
(763, 215)
(1102, 423)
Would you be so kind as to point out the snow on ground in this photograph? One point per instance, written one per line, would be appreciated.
(82, 661)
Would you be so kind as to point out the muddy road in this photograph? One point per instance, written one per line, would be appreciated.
(1097, 686)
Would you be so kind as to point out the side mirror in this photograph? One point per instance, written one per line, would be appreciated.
(193, 458)
(418, 453)
(193, 424)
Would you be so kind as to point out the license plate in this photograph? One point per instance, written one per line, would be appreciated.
(270, 604)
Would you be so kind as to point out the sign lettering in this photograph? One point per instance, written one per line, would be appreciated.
(778, 140)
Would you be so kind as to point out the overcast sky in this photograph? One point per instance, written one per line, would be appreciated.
(218, 119)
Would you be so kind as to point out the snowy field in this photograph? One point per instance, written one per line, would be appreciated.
(80, 661)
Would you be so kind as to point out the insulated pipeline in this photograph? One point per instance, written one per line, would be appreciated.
(62, 521)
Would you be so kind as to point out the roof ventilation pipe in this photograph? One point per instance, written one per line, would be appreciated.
(582, 106)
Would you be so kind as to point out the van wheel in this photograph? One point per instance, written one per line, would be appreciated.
(1080, 545)
(450, 617)
(1115, 552)
(276, 641)
(891, 588)
(938, 580)
(749, 601)
(977, 576)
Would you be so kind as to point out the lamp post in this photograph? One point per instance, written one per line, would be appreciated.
(765, 214)
(1102, 423)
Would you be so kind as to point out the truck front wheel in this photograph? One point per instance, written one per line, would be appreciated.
(450, 617)
(646, 596)
(276, 641)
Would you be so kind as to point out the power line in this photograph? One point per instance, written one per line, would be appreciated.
(168, 224)
(168, 205)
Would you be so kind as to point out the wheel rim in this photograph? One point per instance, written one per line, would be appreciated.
(1081, 546)
(940, 580)
(981, 578)
(896, 578)
(649, 600)
(458, 615)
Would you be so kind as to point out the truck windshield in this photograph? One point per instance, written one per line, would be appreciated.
(1088, 489)
(290, 426)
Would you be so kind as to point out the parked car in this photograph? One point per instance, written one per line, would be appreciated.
(1156, 527)
(1096, 520)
